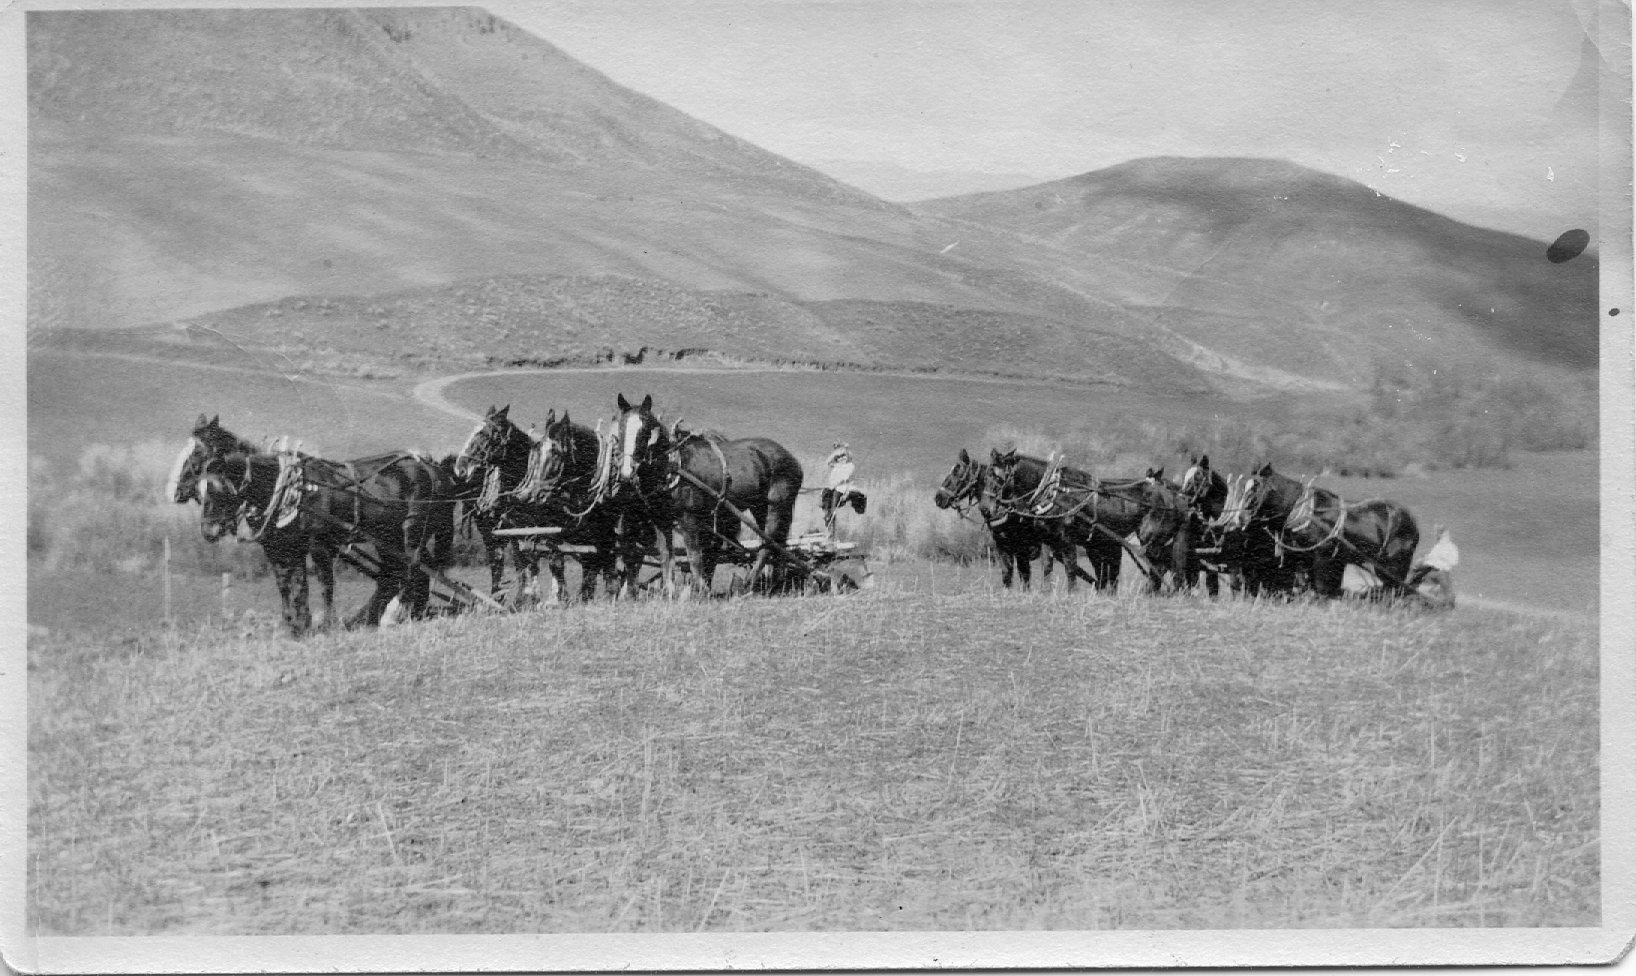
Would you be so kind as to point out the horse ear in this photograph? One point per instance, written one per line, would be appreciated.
(1266, 469)
(203, 421)
(624, 404)
(647, 403)
(1204, 461)
(994, 455)
(550, 417)
(563, 422)
(964, 457)
(504, 410)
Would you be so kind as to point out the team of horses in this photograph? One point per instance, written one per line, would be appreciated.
(618, 500)
(614, 500)
(1267, 533)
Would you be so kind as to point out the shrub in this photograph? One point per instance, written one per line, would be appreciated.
(109, 514)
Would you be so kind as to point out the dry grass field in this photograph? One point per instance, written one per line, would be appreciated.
(931, 754)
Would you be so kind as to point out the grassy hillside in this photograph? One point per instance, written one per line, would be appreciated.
(1317, 274)
(940, 758)
(188, 163)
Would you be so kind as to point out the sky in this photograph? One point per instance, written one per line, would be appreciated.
(1484, 110)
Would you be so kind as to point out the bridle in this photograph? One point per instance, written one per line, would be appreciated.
(488, 445)
(212, 481)
(651, 439)
(549, 462)
(963, 497)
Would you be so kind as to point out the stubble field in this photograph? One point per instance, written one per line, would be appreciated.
(932, 754)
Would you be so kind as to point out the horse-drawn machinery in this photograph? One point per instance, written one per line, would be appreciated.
(633, 507)
(622, 503)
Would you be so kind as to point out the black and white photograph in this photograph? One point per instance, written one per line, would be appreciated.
(799, 483)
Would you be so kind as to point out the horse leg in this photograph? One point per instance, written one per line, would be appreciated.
(557, 565)
(703, 550)
(286, 571)
(1062, 550)
(416, 592)
(593, 566)
(1327, 575)
(387, 585)
(323, 563)
(495, 551)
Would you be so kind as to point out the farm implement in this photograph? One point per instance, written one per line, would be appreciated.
(814, 562)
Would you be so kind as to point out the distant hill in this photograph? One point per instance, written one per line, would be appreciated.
(282, 176)
(1313, 273)
(892, 182)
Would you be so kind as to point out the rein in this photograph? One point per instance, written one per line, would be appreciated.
(674, 466)
(1304, 515)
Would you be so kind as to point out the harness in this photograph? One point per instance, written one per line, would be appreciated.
(1304, 515)
(538, 484)
(673, 462)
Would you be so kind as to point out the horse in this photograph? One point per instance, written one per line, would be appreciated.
(1247, 529)
(489, 466)
(297, 505)
(687, 479)
(565, 487)
(207, 440)
(1018, 542)
(1319, 526)
(1098, 515)
(286, 547)
(1164, 535)
(1175, 536)
(1051, 533)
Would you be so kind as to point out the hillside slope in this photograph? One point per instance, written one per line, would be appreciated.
(1319, 274)
(185, 164)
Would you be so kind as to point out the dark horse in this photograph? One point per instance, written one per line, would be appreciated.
(566, 488)
(493, 465)
(296, 505)
(673, 477)
(1177, 524)
(1018, 542)
(1248, 536)
(1317, 526)
(1098, 515)
(287, 548)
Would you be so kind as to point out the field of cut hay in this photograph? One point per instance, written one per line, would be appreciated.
(931, 754)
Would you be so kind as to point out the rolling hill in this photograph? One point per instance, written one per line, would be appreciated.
(1264, 258)
(436, 186)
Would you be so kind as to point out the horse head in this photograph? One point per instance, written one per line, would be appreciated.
(220, 490)
(550, 457)
(962, 483)
(208, 440)
(641, 442)
(1203, 487)
(491, 442)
